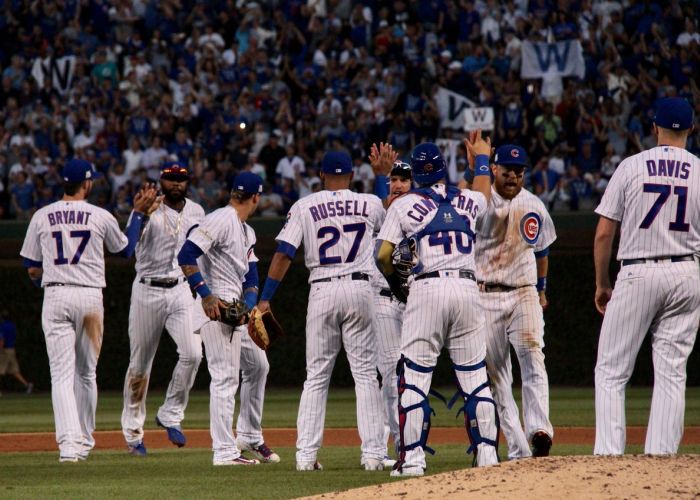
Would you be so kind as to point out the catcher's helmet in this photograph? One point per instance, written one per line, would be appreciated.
(428, 163)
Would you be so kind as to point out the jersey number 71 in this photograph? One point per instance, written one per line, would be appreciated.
(664, 192)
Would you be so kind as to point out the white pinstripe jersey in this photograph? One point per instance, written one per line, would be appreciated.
(69, 237)
(508, 235)
(656, 196)
(228, 246)
(162, 238)
(442, 251)
(337, 229)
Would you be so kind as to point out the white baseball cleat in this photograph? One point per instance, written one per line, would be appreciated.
(262, 452)
(304, 466)
(373, 464)
(388, 463)
(237, 461)
(407, 471)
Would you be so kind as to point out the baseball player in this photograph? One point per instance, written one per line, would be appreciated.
(511, 256)
(655, 196)
(64, 253)
(442, 307)
(224, 244)
(336, 227)
(161, 298)
(388, 310)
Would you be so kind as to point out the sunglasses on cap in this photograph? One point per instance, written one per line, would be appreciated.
(401, 168)
(174, 171)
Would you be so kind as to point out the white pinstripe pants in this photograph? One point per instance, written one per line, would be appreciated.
(73, 320)
(386, 323)
(223, 353)
(153, 309)
(340, 313)
(515, 318)
(663, 299)
(254, 370)
(443, 312)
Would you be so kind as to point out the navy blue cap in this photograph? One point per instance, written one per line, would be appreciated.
(248, 182)
(77, 170)
(510, 154)
(174, 171)
(336, 163)
(401, 169)
(674, 113)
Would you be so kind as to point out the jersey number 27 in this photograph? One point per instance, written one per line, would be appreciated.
(359, 229)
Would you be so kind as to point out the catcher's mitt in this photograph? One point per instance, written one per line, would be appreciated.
(405, 257)
(263, 328)
(235, 313)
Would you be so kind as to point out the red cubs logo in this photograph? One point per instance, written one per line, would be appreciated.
(530, 227)
(428, 167)
(514, 153)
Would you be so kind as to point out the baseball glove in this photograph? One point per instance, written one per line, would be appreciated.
(263, 328)
(234, 313)
(405, 257)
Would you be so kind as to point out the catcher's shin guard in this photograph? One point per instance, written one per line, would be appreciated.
(424, 404)
(471, 402)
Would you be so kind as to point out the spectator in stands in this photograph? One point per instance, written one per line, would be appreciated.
(270, 203)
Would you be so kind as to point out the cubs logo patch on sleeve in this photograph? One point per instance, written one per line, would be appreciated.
(530, 226)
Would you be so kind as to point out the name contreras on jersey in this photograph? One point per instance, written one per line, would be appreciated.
(338, 208)
(423, 207)
(68, 217)
(668, 168)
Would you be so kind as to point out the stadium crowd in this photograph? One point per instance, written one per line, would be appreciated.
(269, 86)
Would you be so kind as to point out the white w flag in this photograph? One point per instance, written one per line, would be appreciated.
(59, 71)
(561, 58)
(451, 106)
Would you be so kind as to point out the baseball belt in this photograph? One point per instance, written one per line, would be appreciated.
(385, 292)
(681, 258)
(495, 287)
(353, 276)
(162, 282)
(461, 273)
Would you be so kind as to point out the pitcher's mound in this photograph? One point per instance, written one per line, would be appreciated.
(573, 477)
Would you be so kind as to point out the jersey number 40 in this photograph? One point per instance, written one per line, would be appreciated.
(358, 228)
(444, 239)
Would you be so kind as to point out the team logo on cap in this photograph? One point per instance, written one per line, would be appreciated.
(530, 226)
(428, 167)
(514, 153)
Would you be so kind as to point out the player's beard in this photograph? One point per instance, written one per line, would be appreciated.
(174, 196)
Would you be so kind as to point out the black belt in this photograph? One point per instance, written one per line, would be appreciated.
(162, 282)
(682, 258)
(495, 287)
(353, 276)
(385, 292)
(70, 284)
(55, 284)
(463, 273)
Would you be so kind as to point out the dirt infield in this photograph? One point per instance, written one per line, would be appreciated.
(570, 477)
(200, 438)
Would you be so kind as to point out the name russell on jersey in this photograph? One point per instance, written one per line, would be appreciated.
(337, 209)
(68, 217)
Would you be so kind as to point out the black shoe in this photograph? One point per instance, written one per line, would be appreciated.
(541, 444)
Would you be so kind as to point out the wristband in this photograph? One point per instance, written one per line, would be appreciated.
(541, 284)
(469, 175)
(269, 289)
(381, 187)
(250, 298)
(198, 284)
(481, 165)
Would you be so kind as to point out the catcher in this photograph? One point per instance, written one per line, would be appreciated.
(225, 245)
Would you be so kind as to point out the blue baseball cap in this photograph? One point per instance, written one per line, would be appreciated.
(77, 170)
(248, 182)
(336, 163)
(174, 171)
(510, 154)
(674, 113)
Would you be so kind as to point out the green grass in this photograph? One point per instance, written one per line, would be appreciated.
(569, 407)
(189, 474)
